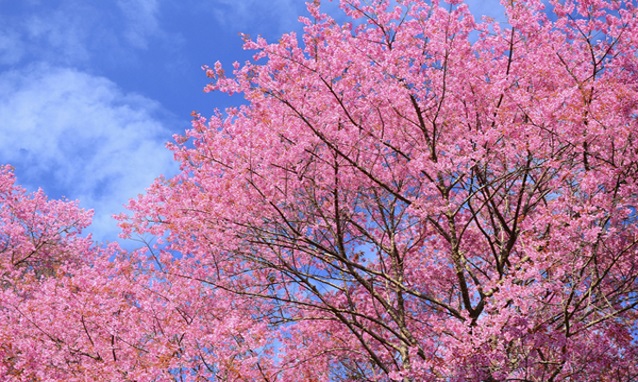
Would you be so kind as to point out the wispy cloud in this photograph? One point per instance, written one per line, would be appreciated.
(142, 21)
(83, 136)
(11, 50)
(76, 32)
(281, 16)
(62, 35)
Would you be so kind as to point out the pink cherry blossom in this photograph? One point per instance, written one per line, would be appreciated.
(408, 195)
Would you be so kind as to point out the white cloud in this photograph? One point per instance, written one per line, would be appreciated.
(81, 136)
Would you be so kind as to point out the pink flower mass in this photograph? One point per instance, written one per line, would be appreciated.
(407, 194)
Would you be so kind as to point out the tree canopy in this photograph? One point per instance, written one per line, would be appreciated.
(411, 194)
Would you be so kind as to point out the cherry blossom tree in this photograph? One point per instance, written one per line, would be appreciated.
(41, 253)
(408, 195)
(71, 310)
(414, 195)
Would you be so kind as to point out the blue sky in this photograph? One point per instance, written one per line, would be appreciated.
(90, 91)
